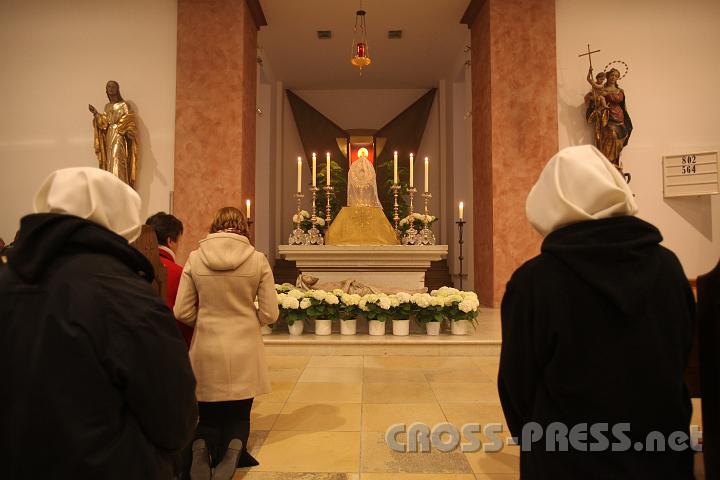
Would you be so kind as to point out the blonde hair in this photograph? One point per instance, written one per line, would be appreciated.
(229, 219)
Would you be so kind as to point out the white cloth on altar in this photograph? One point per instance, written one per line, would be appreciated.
(362, 185)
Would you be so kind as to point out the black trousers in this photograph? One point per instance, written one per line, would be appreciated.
(220, 422)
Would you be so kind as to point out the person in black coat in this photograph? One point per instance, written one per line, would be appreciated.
(97, 383)
(596, 331)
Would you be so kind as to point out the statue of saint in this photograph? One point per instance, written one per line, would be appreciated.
(606, 109)
(362, 185)
(116, 136)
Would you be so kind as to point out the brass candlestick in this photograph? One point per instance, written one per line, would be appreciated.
(298, 237)
(426, 236)
(395, 189)
(411, 235)
(329, 192)
(314, 237)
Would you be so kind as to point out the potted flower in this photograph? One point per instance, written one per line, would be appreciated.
(460, 308)
(293, 308)
(376, 308)
(429, 312)
(350, 309)
(402, 311)
(324, 308)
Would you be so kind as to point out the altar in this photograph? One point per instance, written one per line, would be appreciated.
(394, 266)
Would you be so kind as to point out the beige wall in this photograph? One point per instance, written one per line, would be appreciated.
(56, 58)
(672, 97)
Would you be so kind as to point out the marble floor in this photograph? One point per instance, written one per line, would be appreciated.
(326, 418)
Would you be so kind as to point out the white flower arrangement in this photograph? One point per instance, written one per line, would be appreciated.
(417, 218)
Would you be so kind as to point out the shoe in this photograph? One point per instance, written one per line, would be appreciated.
(200, 468)
(247, 460)
(225, 470)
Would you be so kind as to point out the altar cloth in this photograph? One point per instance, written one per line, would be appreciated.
(361, 226)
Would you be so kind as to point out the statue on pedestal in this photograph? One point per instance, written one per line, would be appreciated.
(116, 136)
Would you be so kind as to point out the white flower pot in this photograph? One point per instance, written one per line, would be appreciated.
(401, 327)
(323, 327)
(376, 327)
(459, 327)
(296, 328)
(433, 328)
(266, 330)
(348, 327)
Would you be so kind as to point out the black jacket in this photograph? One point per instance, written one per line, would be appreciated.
(597, 329)
(708, 289)
(96, 380)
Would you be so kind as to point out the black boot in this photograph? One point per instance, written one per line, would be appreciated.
(200, 468)
(225, 470)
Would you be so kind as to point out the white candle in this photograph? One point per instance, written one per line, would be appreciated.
(299, 189)
(247, 208)
(427, 183)
(412, 175)
(461, 208)
(314, 170)
(395, 175)
(327, 166)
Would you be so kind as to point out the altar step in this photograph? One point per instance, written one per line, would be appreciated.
(484, 341)
(438, 275)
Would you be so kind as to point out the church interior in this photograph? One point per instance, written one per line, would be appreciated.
(381, 148)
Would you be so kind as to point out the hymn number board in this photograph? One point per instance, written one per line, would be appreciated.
(691, 174)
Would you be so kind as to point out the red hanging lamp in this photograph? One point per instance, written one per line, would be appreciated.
(360, 53)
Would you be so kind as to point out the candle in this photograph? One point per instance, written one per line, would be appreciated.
(327, 166)
(427, 183)
(412, 175)
(395, 175)
(461, 208)
(314, 170)
(299, 189)
(247, 208)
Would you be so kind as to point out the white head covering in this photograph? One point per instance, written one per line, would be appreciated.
(93, 194)
(576, 185)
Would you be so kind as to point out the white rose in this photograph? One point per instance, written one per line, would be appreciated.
(296, 294)
(305, 303)
(291, 303)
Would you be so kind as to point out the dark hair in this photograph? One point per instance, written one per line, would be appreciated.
(166, 227)
(229, 219)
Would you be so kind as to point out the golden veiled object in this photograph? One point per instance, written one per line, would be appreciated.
(361, 226)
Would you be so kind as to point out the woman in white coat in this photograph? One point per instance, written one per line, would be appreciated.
(219, 285)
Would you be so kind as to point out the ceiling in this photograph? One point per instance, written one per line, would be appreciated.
(431, 47)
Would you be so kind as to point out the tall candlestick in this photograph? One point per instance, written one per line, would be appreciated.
(247, 208)
(412, 174)
(395, 174)
(327, 166)
(299, 189)
(427, 182)
(314, 172)
(461, 208)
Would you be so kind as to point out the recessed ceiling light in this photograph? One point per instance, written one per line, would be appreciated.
(394, 34)
(324, 34)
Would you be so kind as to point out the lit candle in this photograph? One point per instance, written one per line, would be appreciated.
(314, 169)
(299, 189)
(461, 208)
(327, 166)
(412, 175)
(395, 168)
(247, 208)
(427, 183)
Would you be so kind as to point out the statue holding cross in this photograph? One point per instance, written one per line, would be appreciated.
(607, 112)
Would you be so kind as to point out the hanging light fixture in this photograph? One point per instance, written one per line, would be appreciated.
(360, 56)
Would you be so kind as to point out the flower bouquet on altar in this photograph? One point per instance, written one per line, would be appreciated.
(293, 309)
(324, 308)
(459, 307)
(305, 220)
(417, 220)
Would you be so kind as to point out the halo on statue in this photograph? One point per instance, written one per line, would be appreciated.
(618, 62)
(360, 152)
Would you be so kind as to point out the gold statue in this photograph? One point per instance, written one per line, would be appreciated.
(116, 136)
